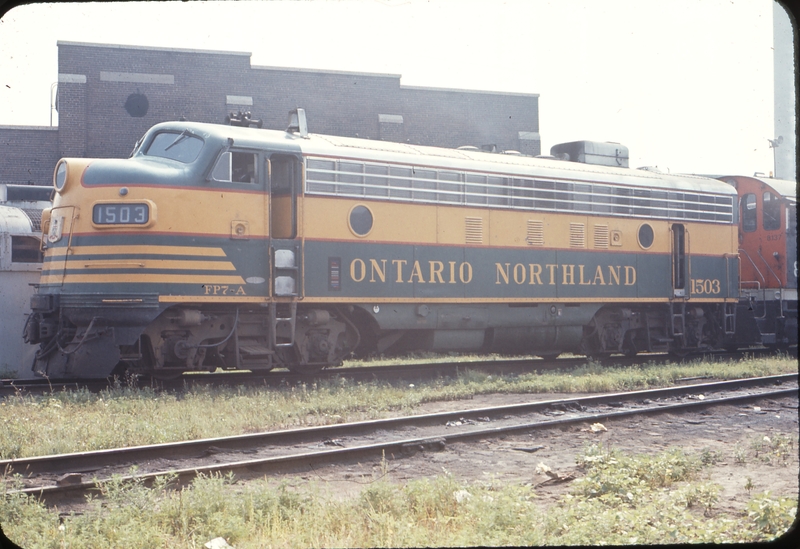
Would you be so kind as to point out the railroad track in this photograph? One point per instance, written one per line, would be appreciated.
(68, 476)
(389, 372)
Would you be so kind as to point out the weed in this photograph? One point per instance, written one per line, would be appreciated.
(622, 479)
(772, 516)
(435, 511)
(709, 457)
(739, 454)
(775, 448)
(704, 495)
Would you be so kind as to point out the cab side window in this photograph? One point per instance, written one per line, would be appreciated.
(771, 211)
(236, 167)
(749, 220)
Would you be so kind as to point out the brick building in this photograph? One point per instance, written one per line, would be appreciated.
(109, 95)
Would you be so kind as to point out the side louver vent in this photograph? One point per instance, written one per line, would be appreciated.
(473, 230)
(535, 234)
(577, 235)
(601, 236)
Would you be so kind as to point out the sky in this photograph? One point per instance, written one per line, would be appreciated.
(686, 85)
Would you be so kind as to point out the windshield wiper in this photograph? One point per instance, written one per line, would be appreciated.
(184, 134)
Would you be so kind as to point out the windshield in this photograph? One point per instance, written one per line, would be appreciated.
(183, 147)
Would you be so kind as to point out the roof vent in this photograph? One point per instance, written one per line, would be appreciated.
(592, 152)
(297, 122)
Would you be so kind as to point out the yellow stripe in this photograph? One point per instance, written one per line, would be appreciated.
(142, 278)
(210, 299)
(154, 264)
(532, 301)
(136, 250)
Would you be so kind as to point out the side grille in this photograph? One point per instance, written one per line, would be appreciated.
(535, 234)
(473, 230)
(577, 235)
(601, 236)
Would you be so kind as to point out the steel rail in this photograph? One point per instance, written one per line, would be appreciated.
(78, 462)
(386, 372)
(305, 460)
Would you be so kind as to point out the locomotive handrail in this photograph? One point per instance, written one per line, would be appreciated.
(756, 282)
(688, 255)
(750, 259)
(780, 284)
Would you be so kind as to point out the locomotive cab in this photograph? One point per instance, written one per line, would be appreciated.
(768, 258)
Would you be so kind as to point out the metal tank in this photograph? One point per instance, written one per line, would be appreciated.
(20, 267)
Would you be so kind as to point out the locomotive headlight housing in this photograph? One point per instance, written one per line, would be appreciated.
(60, 176)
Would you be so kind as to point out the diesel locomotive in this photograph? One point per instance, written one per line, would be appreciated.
(225, 247)
(767, 311)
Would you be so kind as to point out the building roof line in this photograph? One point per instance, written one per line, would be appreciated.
(468, 90)
(18, 127)
(326, 71)
(150, 48)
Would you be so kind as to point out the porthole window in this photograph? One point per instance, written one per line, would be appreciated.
(360, 220)
(60, 177)
(645, 236)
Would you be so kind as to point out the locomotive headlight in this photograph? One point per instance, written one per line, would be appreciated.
(60, 176)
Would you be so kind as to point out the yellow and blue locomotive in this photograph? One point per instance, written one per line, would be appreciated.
(242, 248)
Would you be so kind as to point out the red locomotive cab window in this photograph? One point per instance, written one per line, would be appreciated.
(749, 220)
(771, 211)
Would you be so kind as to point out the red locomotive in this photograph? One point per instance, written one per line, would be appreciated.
(767, 312)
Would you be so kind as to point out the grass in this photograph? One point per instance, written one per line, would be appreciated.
(74, 421)
(621, 499)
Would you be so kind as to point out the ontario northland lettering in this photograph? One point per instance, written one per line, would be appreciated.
(402, 271)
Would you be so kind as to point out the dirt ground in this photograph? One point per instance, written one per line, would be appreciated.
(729, 436)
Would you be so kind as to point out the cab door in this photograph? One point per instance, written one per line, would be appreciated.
(680, 260)
(285, 249)
(285, 178)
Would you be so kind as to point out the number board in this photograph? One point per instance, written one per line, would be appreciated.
(121, 214)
